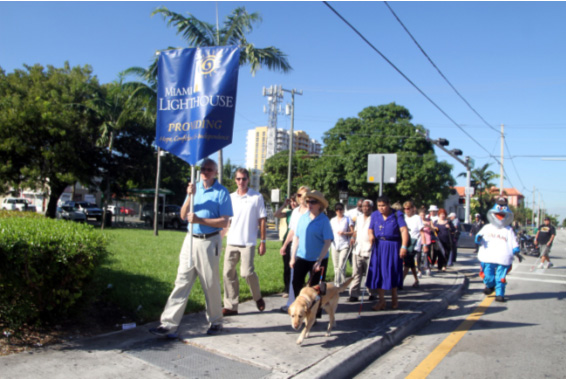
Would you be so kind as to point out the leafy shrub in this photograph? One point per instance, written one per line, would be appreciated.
(45, 265)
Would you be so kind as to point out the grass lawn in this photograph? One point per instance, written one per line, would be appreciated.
(140, 272)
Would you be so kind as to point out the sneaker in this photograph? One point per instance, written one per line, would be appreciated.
(549, 265)
(428, 272)
(353, 299)
(419, 275)
(541, 265)
(284, 309)
(162, 331)
(500, 299)
(488, 291)
(285, 295)
(260, 305)
(214, 329)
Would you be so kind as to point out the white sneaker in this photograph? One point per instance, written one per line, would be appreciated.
(541, 265)
(428, 272)
(419, 275)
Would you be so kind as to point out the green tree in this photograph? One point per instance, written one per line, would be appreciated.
(122, 106)
(380, 130)
(482, 177)
(45, 140)
(276, 171)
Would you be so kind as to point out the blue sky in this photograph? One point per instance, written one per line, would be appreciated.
(506, 58)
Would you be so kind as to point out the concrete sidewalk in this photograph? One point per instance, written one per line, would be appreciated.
(253, 344)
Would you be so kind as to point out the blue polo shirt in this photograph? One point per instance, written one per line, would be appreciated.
(211, 202)
(312, 234)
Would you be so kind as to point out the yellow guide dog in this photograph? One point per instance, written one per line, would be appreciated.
(305, 306)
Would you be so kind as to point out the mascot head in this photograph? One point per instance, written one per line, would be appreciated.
(500, 215)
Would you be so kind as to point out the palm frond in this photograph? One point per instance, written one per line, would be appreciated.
(271, 57)
(195, 32)
(237, 25)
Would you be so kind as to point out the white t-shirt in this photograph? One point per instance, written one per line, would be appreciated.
(363, 245)
(415, 225)
(497, 245)
(340, 241)
(353, 213)
(248, 210)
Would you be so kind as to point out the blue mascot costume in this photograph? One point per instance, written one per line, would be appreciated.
(498, 246)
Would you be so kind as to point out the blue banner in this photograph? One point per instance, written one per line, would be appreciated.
(196, 100)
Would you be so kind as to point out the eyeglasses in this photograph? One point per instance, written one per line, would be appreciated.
(408, 209)
(206, 169)
(312, 201)
(241, 179)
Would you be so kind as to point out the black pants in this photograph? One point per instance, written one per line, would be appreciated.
(286, 268)
(302, 269)
(439, 257)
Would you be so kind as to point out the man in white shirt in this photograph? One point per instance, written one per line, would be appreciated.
(343, 229)
(249, 213)
(354, 213)
(433, 212)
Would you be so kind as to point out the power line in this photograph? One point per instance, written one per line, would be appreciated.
(406, 78)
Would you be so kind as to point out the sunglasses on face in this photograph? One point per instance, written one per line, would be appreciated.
(240, 179)
(312, 201)
(206, 169)
(299, 195)
(407, 209)
(339, 209)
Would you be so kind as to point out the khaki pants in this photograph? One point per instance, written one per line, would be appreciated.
(359, 271)
(232, 255)
(206, 265)
(339, 261)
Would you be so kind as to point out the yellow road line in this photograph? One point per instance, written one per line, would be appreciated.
(438, 354)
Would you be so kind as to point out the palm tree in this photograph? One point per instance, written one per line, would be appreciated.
(198, 33)
(120, 102)
(483, 178)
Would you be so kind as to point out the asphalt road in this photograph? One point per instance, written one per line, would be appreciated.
(522, 338)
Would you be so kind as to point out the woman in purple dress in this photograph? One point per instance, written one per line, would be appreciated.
(390, 238)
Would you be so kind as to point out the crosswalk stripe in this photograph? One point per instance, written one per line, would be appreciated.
(513, 277)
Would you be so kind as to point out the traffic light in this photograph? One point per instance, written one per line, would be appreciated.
(442, 142)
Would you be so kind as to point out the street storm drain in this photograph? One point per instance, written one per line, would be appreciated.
(191, 362)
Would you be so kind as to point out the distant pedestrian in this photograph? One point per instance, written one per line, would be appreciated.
(343, 229)
(285, 211)
(288, 243)
(390, 238)
(426, 243)
(212, 211)
(544, 238)
(476, 227)
(354, 213)
(249, 214)
(456, 236)
(415, 227)
(362, 252)
(444, 231)
(433, 213)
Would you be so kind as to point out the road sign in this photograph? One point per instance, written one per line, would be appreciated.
(353, 201)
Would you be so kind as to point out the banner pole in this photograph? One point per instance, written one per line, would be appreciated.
(191, 210)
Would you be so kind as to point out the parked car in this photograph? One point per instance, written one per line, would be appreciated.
(127, 211)
(172, 216)
(17, 204)
(90, 210)
(466, 241)
(69, 213)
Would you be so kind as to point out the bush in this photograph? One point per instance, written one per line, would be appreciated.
(45, 265)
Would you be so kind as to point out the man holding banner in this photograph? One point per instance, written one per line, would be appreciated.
(212, 211)
(196, 101)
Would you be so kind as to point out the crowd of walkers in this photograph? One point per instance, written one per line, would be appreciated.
(382, 241)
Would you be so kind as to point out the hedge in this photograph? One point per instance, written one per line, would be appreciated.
(45, 266)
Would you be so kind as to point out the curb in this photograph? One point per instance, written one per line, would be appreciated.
(361, 354)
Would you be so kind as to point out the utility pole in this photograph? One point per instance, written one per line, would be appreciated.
(293, 92)
(501, 163)
(533, 218)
